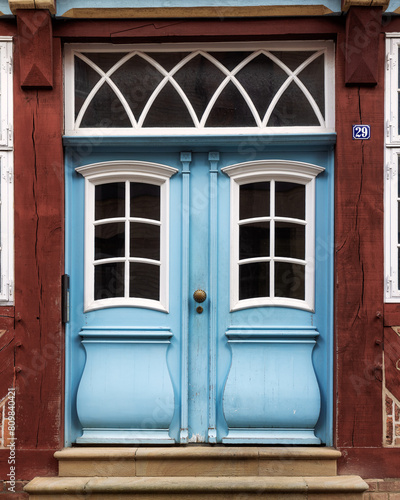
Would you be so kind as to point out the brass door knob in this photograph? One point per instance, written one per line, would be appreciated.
(199, 296)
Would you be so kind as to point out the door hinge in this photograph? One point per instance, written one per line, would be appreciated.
(389, 126)
(9, 132)
(7, 288)
(6, 173)
(9, 175)
(389, 281)
(65, 298)
(9, 65)
(389, 58)
(390, 171)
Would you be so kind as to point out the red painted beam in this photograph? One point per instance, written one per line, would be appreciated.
(119, 31)
(29, 464)
(39, 261)
(370, 462)
(391, 314)
(35, 48)
(359, 262)
(363, 27)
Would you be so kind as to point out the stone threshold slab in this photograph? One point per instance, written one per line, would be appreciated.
(187, 485)
(197, 461)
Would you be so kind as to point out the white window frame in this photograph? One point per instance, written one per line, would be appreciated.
(277, 170)
(120, 171)
(6, 173)
(392, 86)
(7, 229)
(6, 93)
(392, 155)
(326, 47)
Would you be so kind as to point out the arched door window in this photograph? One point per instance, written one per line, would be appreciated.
(126, 234)
(272, 233)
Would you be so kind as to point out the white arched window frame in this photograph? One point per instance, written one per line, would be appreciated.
(126, 171)
(272, 171)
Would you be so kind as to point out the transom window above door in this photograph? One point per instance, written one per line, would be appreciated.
(275, 87)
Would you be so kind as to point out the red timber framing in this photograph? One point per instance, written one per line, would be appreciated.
(31, 350)
(34, 341)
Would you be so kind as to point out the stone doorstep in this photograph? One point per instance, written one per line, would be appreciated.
(335, 488)
(197, 461)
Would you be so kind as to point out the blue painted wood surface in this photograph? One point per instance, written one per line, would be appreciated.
(4, 7)
(125, 389)
(312, 360)
(271, 385)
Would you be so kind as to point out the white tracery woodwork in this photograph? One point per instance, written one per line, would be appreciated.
(323, 117)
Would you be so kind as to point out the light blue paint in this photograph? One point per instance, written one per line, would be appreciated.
(199, 278)
(168, 359)
(393, 5)
(112, 321)
(244, 144)
(125, 385)
(64, 5)
(213, 158)
(4, 8)
(271, 385)
(186, 158)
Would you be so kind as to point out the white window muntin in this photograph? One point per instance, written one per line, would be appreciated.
(129, 171)
(274, 170)
(7, 228)
(327, 125)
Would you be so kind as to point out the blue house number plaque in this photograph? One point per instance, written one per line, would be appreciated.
(361, 131)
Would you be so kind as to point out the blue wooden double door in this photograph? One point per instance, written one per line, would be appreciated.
(200, 294)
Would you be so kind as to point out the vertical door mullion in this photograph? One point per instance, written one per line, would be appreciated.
(213, 294)
(127, 239)
(184, 431)
(272, 241)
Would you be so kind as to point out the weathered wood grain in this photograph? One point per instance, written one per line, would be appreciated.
(35, 48)
(135, 31)
(359, 263)
(370, 462)
(39, 189)
(363, 27)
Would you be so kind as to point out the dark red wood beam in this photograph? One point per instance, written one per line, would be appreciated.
(370, 462)
(359, 263)
(118, 31)
(363, 27)
(35, 48)
(39, 262)
(7, 27)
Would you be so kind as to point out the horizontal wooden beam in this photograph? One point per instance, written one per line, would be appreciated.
(197, 12)
(124, 30)
(346, 4)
